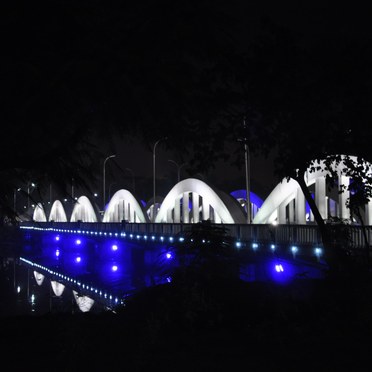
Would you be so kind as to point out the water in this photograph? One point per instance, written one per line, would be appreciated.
(55, 271)
(71, 272)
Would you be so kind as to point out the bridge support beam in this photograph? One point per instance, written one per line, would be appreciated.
(282, 217)
(177, 210)
(185, 207)
(344, 212)
(195, 207)
(300, 207)
(320, 196)
(205, 210)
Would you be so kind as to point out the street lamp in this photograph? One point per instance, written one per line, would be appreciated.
(178, 168)
(133, 182)
(154, 163)
(247, 172)
(104, 180)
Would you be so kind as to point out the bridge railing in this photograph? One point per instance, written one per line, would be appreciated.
(263, 234)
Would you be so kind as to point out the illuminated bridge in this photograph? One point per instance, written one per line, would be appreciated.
(282, 234)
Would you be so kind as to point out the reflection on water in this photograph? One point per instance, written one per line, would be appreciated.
(67, 272)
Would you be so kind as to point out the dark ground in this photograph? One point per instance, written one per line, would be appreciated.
(307, 325)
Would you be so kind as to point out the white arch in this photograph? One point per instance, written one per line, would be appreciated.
(226, 208)
(57, 287)
(39, 277)
(83, 211)
(84, 303)
(286, 191)
(57, 213)
(124, 206)
(39, 213)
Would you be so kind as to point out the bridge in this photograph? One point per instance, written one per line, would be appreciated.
(282, 224)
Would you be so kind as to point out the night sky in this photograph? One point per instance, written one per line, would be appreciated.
(38, 41)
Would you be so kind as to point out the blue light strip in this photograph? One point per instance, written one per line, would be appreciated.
(318, 252)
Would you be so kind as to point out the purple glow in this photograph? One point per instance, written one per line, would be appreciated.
(57, 252)
(77, 241)
(169, 255)
(57, 238)
(78, 259)
(114, 268)
(114, 247)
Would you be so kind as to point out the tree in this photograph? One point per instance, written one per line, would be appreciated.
(311, 105)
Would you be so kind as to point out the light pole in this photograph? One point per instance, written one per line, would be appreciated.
(104, 180)
(247, 172)
(178, 168)
(28, 193)
(15, 199)
(154, 175)
(133, 181)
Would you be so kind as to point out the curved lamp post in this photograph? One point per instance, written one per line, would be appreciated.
(154, 176)
(104, 180)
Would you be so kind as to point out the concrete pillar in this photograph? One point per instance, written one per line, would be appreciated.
(300, 208)
(169, 216)
(217, 218)
(126, 214)
(344, 212)
(368, 214)
(177, 210)
(282, 214)
(291, 210)
(185, 207)
(205, 210)
(320, 196)
(195, 207)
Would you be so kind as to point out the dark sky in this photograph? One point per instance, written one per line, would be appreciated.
(315, 22)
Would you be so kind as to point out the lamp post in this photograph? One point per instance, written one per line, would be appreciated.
(104, 180)
(154, 176)
(15, 199)
(28, 193)
(178, 168)
(133, 181)
(247, 172)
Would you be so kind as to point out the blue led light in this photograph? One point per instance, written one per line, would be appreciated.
(279, 268)
(318, 251)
